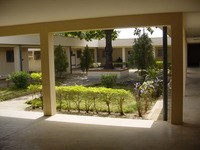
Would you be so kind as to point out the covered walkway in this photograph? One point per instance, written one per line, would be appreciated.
(21, 130)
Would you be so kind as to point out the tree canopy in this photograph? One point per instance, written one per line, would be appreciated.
(89, 35)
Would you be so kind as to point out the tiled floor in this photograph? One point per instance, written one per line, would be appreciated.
(20, 130)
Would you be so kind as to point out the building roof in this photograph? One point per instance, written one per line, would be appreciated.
(34, 40)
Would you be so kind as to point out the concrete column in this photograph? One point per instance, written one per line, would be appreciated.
(123, 54)
(184, 61)
(48, 75)
(95, 55)
(68, 58)
(17, 58)
(177, 72)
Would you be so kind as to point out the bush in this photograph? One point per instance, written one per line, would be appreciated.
(35, 103)
(91, 98)
(159, 64)
(20, 79)
(109, 80)
(145, 93)
(37, 77)
(121, 97)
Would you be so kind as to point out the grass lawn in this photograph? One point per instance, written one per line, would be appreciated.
(12, 92)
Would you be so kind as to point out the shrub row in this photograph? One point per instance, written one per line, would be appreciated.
(90, 96)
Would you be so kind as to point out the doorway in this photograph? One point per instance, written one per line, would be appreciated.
(194, 55)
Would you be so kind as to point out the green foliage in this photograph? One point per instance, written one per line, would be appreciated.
(142, 55)
(153, 74)
(92, 96)
(109, 80)
(86, 60)
(92, 99)
(60, 96)
(60, 61)
(37, 77)
(97, 34)
(20, 79)
(137, 31)
(121, 97)
(146, 93)
(35, 103)
(159, 64)
(108, 96)
(34, 89)
(89, 35)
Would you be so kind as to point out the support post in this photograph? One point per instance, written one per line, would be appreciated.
(123, 56)
(17, 58)
(177, 72)
(165, 74)
(48, 74)
(95, 55)
(21, 59)
(70, 60)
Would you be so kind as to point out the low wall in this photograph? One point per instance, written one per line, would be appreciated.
(97, 72)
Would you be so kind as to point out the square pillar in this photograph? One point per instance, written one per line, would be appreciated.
(95, 55)
(48, 74)
(177, 73)
(17, 58)
(123, 54)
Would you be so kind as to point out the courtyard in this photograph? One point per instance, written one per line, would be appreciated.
(28, 130)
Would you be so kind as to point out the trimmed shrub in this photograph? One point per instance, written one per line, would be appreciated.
(90, 99)
(37, 77)
(109, 80)
(121, 96)
(20, 79)
(107, 95)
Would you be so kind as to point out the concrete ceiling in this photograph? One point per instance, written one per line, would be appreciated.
(13, 12)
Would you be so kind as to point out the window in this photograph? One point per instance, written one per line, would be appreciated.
(10, 55)
(160, 52)
(37, 55)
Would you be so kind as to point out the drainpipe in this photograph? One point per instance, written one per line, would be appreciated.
(165, 75)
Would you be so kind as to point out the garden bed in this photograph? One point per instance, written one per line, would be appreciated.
(98, 72)
(12, 92)
(95, 101)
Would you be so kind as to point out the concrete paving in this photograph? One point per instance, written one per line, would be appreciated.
(22, 130)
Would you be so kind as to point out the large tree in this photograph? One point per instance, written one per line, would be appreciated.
(109, 35)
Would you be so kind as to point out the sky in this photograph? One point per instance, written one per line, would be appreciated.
(128, 33)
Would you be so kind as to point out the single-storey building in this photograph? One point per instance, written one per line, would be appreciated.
(27, 48)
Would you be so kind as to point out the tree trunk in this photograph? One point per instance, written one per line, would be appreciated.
(108, 50)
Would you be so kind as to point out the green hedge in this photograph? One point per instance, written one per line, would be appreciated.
(159, 64)
(91, 98)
